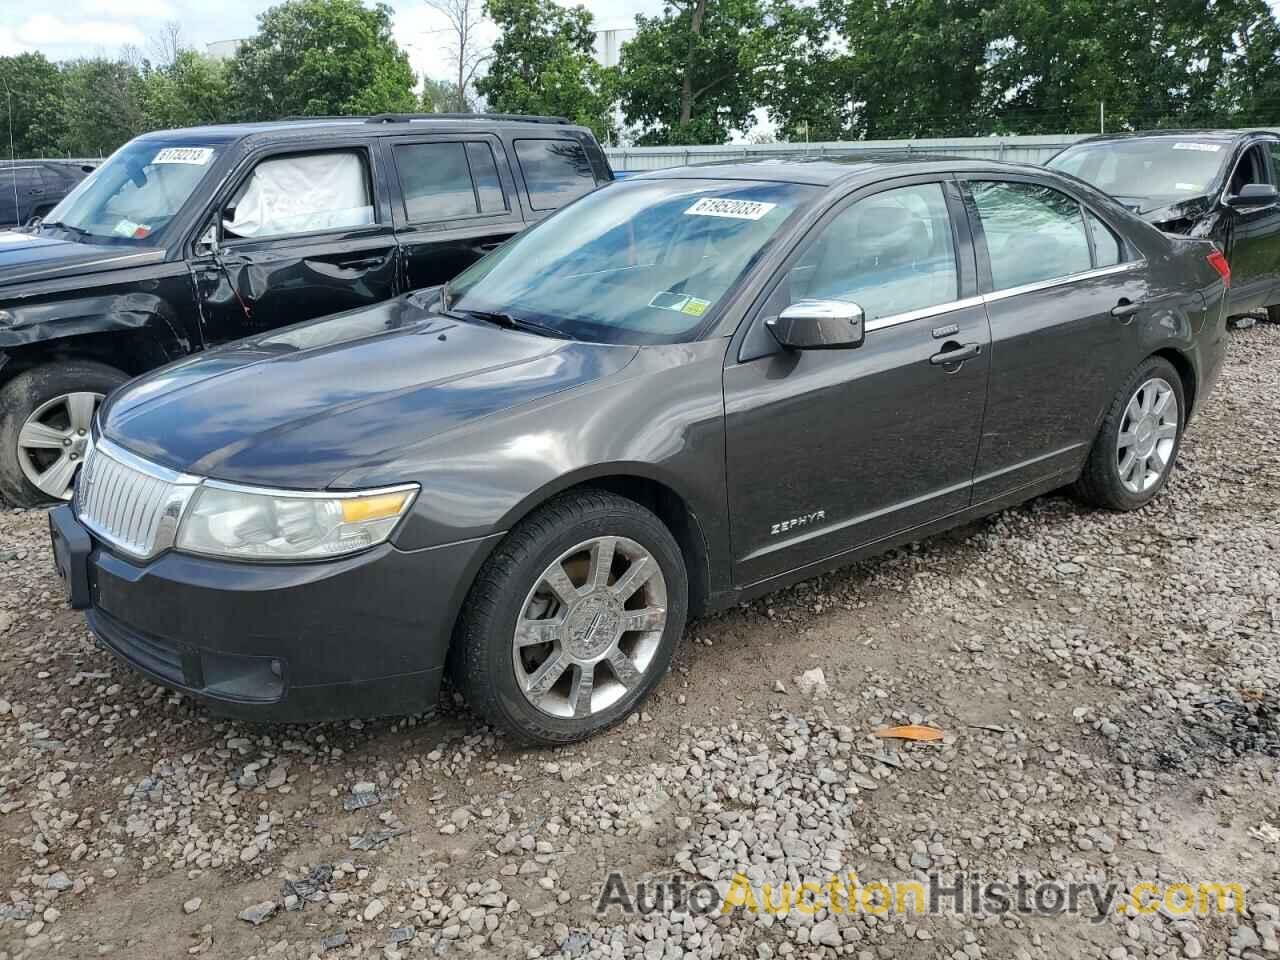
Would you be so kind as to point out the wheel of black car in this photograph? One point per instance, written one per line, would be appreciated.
(1138, 442)
(1273, 313)
(573, 620)
(45, 414)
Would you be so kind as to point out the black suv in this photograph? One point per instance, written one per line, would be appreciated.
(185, 239)
(31, 188)
(1218, 185)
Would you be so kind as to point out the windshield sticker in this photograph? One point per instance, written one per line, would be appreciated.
(1186, 186)
(134, 231)
(733, 209)
(195, 155)
(1202, 147)
(680, 303)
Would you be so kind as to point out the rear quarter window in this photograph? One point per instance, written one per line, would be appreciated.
(555, 171)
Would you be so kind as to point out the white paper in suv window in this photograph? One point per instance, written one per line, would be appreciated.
(301, 194)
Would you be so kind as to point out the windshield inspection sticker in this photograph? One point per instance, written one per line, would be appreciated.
(1202, 147)
(680, 303)
(195, 155)
(733, 209)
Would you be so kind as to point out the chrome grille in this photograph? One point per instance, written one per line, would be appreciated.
(129, 503)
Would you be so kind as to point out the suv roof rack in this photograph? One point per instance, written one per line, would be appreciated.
(520, 117)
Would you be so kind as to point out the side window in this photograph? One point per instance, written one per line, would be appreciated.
(555, 171)
(1251, 168)
(1107, 249)
(1033, 233)
(301, 193)
(890, 253)
(445, 180)
(1274, 147)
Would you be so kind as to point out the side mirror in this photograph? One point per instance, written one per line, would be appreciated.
(1253, 196)
(207, 245)
(818, 325)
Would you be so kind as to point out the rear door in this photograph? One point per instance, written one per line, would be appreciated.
(455, 201)
(1061, 288)
(302, 232)
(1253, 245)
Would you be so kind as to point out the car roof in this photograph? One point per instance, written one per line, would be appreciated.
(379, 125)
(1226, 136)
(826, 171)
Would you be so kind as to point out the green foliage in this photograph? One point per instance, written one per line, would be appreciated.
(103, 106)
(543, 63)
(441, 96)
(34, 87)
(190, 91)
(688, 75)
(321, 57)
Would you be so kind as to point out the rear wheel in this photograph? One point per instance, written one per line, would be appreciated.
(45, 417)
(1138, 441)
(573, 620)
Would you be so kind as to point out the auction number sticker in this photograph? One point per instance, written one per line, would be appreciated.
(194, 155)
(1202, 147)
(733, 209)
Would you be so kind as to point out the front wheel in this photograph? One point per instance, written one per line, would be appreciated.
(45, 418)
(573, 620)
(1138, 441)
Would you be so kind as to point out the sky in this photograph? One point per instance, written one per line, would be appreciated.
(80, 28)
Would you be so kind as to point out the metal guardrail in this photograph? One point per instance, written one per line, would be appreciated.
(1023, 149)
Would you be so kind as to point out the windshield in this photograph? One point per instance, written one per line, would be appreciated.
(644, 261)
(134, 195)
(1164, 168)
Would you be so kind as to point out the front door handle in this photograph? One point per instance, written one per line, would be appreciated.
(956, 353)
(1125, 309)
(359, 263)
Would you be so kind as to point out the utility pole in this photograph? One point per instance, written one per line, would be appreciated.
(1102, 116)
(13, 158)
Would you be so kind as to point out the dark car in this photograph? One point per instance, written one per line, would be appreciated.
(31, 188)
(1212, 185)
(186, 239)
(679, 392)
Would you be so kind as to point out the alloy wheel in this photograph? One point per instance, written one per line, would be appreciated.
(590, 627)
(53, 440)
(1148, 433)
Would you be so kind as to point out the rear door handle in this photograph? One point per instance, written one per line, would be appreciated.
(958, 354)
(359, 263)
(1125, 309)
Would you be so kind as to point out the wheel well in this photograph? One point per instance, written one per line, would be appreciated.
(674, 512)
(1186, 373)
(133, 352)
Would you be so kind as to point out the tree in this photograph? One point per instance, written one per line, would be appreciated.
(688, 75)
(440, 96)
(103, 106)
(191, 90)
(34, 88)
(544, 63)
(321, 57)
(465, 51)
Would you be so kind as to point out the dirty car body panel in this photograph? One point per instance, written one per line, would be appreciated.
(769, 464)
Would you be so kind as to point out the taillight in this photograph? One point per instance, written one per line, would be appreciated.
(1219, 263)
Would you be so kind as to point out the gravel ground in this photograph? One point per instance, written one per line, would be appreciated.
(1108, 685)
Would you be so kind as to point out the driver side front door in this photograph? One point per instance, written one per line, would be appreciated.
(832, 450)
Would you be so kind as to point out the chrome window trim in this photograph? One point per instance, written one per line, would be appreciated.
(1062, 281)
(881, 323)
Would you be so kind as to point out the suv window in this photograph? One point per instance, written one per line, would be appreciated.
(890, 253)
(555, 171)
(1274, 146)
(1033, 232)
(444, 180)
(301, 193)
(1251, 168)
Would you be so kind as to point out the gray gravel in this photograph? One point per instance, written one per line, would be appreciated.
(1108, 685)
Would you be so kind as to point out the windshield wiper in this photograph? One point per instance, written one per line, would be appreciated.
(78, 231)
(511, 322)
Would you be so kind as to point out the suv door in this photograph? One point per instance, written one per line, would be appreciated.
(455, 203)
(1253, 237)
(301, 233)
(1060, 288)
(829, 450)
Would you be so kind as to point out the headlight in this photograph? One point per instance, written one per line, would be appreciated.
(227, 521)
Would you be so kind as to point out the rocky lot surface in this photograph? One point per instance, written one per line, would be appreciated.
(1108, 685)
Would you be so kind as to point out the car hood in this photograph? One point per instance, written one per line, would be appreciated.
(1161, 210)
(28, 257)
(300, 407)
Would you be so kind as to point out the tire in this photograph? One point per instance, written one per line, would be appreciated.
(568, 532)
(1101, 483)
(1273, 313)
(37, 392)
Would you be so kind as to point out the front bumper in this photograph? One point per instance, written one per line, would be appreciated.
(359, 636)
